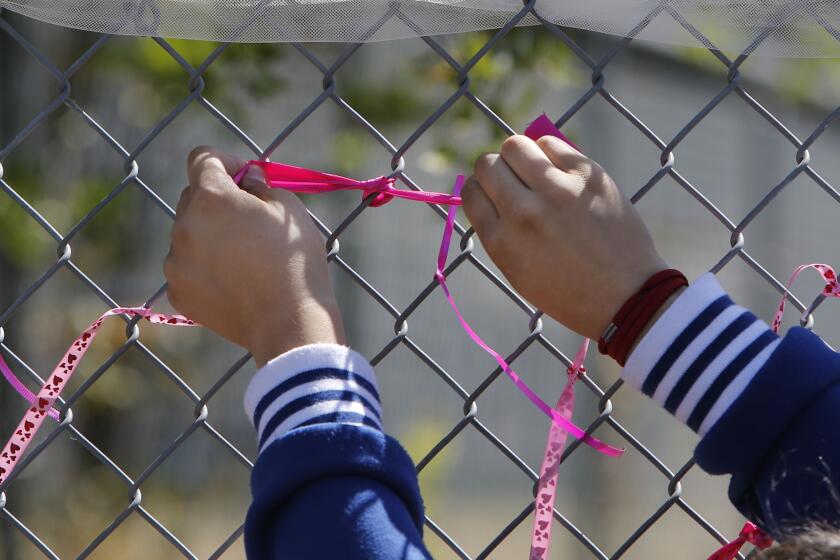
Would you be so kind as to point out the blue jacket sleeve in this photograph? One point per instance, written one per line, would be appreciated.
(767, 409)
(780, 440)
(335, 491)
(328, 482)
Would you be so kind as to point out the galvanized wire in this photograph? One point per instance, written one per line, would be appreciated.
(396, 155)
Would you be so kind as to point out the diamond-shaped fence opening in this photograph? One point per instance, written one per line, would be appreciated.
(154, 460)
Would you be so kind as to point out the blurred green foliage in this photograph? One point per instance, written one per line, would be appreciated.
(254, 65)
(25, 243)
(422, 81)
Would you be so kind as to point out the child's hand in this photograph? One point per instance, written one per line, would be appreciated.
(249, 263)
(560, 230)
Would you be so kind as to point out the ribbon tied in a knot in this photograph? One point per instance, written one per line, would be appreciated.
(310, 181)
(749, 534)
(381, 187)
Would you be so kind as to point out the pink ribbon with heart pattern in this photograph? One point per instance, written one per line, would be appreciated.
(42, 403)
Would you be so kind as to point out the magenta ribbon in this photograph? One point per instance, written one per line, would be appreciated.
(544, 126)
(560, 415)
(309, 181)
(520, 384)
(749, 534)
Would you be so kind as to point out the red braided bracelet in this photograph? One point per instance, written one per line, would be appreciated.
(618, 338)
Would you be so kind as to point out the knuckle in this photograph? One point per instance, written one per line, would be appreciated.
(556, 178)
(472, 214)
(484, 162)
(550, 143)
(514, 145)
(586, 169)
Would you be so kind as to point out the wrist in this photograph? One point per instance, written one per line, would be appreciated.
(638, 313)
(655, 318)
(624, 285)
(311, 322)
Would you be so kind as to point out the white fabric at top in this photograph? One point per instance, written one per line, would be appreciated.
(791, 27)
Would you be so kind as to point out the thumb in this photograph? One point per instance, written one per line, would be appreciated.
(254, 183)
(209, 166)
(254, 180)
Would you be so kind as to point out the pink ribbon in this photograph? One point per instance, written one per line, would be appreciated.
(560, 415)
(18, 386)
(42, 403)
(520, 384)
(308, 181)
(832, 288)
(556, 439)
(554, 446)
(749, 534)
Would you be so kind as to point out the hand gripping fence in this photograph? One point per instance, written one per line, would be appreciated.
(30, 537)
(297, 179)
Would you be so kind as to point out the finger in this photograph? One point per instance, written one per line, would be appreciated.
(563, 156)
(479, 208)
(183, 201)
(499, 182)
(207, 166)
(530, 163)
(254, 181)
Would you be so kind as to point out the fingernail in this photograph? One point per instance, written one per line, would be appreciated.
(255, 173)
(254, 178)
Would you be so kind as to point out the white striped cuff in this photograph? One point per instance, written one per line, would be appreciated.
(700, 355)
(313, 384)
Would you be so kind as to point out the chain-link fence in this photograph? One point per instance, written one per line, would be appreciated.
(471, 418)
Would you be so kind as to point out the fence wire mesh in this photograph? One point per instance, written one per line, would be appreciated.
(610, 427)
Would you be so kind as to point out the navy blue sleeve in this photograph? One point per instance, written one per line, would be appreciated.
(335, 491)
(328, 482)
(781, 440)
(767, 408)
